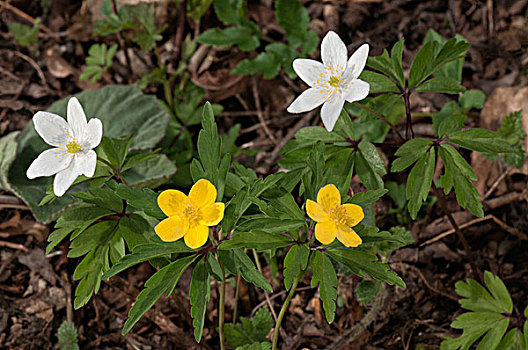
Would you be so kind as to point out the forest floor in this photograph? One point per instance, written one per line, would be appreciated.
(36, 291)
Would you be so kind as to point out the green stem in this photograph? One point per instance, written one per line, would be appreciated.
(237, 290)
(380, 116)
(116, 171)
(166, 83)
(221, 308)
(283, 310)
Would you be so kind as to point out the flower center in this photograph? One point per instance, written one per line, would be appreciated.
(191, 213)
(333, 81)
(73, 147)
(338, 214)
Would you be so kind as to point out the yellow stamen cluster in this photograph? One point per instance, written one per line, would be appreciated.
(72, 146)
(330, 81)
(192, 214)
(338, 214)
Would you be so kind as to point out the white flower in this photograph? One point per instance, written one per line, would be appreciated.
(332, 82)
(73, 140)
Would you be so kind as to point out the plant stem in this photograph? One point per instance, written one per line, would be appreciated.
(268, 300)
(237, 290)
(116, 171)
(380, 116)
(441, 200)
(283, 310)
(407, 100)
(221, 307)
(166, 84)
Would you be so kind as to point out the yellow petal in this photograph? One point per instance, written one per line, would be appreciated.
(172, 202)
(171, 229)
(354, 214)
(196, 236)
(325, 232)
(329, 197)
(212, 214)
(348, 236)
(316, 212)
(203, 193)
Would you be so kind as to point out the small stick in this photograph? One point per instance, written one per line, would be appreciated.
(259, 111)
(467, 249)
(13, 246)
(290, 135)
(20, 13)
(380, 116)
(496, 183)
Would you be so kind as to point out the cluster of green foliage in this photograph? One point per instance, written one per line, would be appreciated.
(245, 34)
(491, 314)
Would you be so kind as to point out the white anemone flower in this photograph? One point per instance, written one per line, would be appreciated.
(332, 82)
(73, 140)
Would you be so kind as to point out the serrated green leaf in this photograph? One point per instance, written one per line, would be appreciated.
(366, 291)
(256, 239)
(200, 293)
(421, 67)
(324, 274)
(396, 59)
(67, 335)
(25, 35)
(250, 330)
(161, 282)
(472, 99)
(378, 82)
(362, 262)
(480, 140)
(419, 182)
(365, 199)
(410, 152)
(442, 85)
(241, 36)
(265, 63)
(294, 19)
(229, 11)
(144, 199)
(296, 260)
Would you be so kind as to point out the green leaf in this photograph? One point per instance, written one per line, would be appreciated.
(161, 282)
(324, 274)
(296, 260)
(410, 152)
(369, 164)
(25, 35)
(512, 131)
(8, 151)
(419, 182)
(143, 199)
(265, 63)
(385, 64)
(452, 69)
(378, 82)
(487, 317)
(255, 346)
(144, 252)
(396, 60)
(256, 239)
(365, 199)
(237, 261)
(421, 67)
(102, 198)
(362, 262)
(91, 238)
(441, 84)
(480, 140)
(200, 293)
(98, 61)
(229, 11)
(124, 110)
(366, 291)
(454, 158)
(250, 330)
(241, 36)
(472, 99)
(294, 19)
(67, 335)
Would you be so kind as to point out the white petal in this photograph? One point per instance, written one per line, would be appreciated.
(87, 163)
(76, 118)
(52, 128)
(357, 62)
(333, 51)
(330, 112)
(308, 70)
(49, 163)
(308, 100)
(356, 90)
(94, 132)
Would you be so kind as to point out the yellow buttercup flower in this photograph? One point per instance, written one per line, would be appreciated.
(189, 216)
(333, 218)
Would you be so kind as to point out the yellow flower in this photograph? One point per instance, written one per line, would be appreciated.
(333, 218)
(189, 216)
